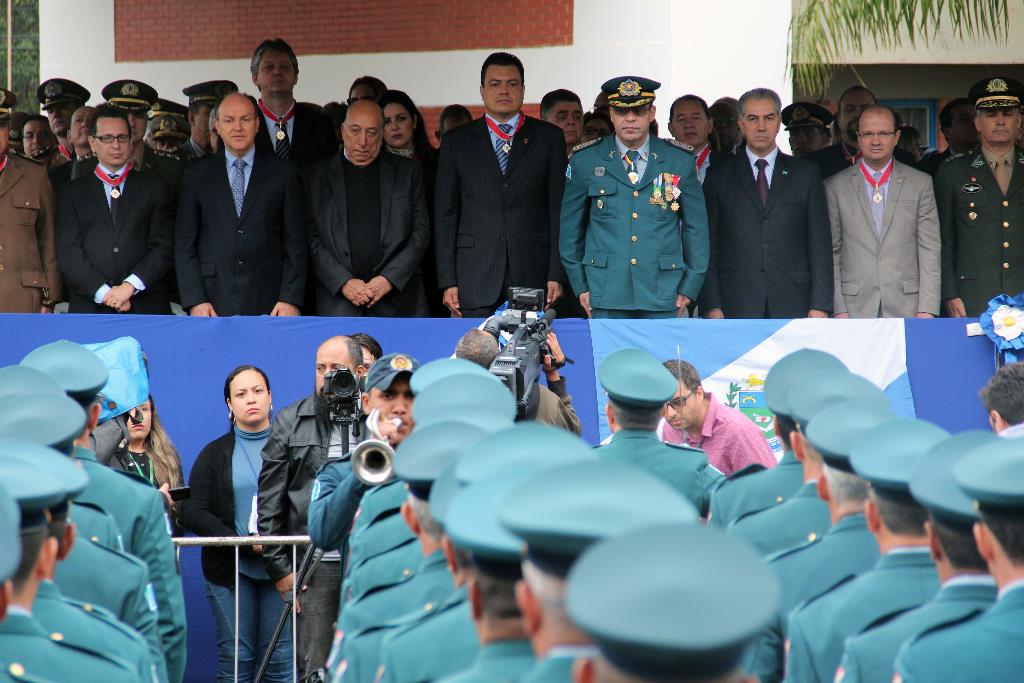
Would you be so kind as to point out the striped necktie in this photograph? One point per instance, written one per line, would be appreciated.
(500, 146)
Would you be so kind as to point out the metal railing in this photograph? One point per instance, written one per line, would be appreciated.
(236, 542)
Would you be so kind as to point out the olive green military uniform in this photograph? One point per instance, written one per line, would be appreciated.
(94, 629)
(686, 469)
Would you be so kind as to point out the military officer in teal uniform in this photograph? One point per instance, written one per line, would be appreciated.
(137, 507)
(805, 517)
(472, 524)
(753, 489)
(10, 521)
(980, 200)
(967, 588)
(419, 460)
(903, 578)
(650, 632)
(634, 228)
(84, 625)
(847, 550)
(985, 648)
(42, 413)
(24, 644)
(558, 514)
(638, 386)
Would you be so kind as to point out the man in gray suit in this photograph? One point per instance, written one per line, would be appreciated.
(885, 229)
(367, 224)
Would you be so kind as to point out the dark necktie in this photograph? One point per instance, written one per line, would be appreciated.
(114, 200)
(762, 180)
(282, 146)
(502, 147)
(238, 184)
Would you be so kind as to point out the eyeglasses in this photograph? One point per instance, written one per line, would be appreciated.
(883, 134)
(111, 139)
(679, 402)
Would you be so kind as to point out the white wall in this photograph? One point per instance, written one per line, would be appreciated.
(681, 43)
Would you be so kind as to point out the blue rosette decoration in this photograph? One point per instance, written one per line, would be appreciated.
(1003, 323)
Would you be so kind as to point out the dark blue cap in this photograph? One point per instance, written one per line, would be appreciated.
(561, 511)
(387, 368)
(932, 483)
(886, 455)
(833, 430)
(825, 387)
(53, 420)
(528, 445)
(791, 369)
(646, 599)
(79, 371)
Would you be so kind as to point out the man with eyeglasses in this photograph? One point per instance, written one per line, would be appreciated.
(885, 229)
(115, 229)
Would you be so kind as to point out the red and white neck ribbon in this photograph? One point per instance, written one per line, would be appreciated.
(504, 137)
(869, 175)
(702, 158)
(281, 120)
(64, 151)
(116, 182)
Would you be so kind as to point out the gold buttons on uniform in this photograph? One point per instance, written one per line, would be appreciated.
(427, 607)
(972, 215)
(811, 536)
(1006, 203)
(636, 193)
(971, 205)
(632, 261)
(778, 499)
(406, 572)
(1006, 224)
(1006, 245)
(87, 607)
(634, 215)
(57, 637)
(16, 669)
(601, 191)
(1006, 266)
(633, 238)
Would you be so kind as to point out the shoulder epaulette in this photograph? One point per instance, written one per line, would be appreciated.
(167, 155)
(684, 447)
(943, 625)
(753, 468)
(584, 145)
(786, 552)
(681, 145)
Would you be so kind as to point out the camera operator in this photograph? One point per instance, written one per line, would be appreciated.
(302, 437)
(554, 405)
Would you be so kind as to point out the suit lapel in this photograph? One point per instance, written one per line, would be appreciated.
(222, 186)
(387, 186)
(336, 179)
(300, 130)
(482, 139)
(746, 178)
(257, 180)
(1017, 179)
(860, 193)
(780, 180)
(892, 197)
(134, 187)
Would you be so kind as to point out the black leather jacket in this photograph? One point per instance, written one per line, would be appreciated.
(295, 452)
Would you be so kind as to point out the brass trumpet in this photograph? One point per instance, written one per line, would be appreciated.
(372, 462)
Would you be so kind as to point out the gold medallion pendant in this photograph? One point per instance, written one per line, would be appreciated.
(633, 177)
(877, 199)
(281, 135)
(115, 193)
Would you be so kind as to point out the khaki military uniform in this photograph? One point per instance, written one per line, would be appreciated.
(28, 255)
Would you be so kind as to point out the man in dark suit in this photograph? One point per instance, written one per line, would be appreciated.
(771, 243)
(368, 225)
(499, 195)
(690, 122)
(115, 230)
(956, 120)
(288, 130)
(239, 242)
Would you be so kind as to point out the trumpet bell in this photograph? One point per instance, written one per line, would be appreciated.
(372, 462)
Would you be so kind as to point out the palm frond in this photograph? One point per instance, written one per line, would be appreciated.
(823, 32)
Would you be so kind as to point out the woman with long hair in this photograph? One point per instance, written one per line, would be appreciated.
(152, 456)
(223, 503)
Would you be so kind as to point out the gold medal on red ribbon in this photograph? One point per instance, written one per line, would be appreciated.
(281, 135)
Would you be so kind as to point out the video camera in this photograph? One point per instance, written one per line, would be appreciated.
(519, 364)
(341, 390)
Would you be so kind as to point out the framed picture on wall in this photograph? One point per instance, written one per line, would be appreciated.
(921, 114)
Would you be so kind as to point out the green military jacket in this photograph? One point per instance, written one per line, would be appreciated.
(442, 641)
(84, 575)
(982, 231)
(26, 646)
(138, 510)
(899, 581)
(551, 669)
(804, 517)
(684, 468)
(93, 523)
(754, 488)
(980, 649)
(871, 656)
(634, 246)
(93, 629)
(387, 568)
(16, 673)
(503, 661)
(848, 549)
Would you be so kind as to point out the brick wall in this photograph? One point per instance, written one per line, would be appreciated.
(432, 114)
(230, 29)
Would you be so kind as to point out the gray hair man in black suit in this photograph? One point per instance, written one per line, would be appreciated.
(500, 181)
(771, 241)
(240, 243)
(367, 224)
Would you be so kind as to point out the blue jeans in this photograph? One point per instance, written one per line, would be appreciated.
(259, 608)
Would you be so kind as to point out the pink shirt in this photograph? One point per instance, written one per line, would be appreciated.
(730, 439)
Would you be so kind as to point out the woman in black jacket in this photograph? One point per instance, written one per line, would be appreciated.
(223, 503)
